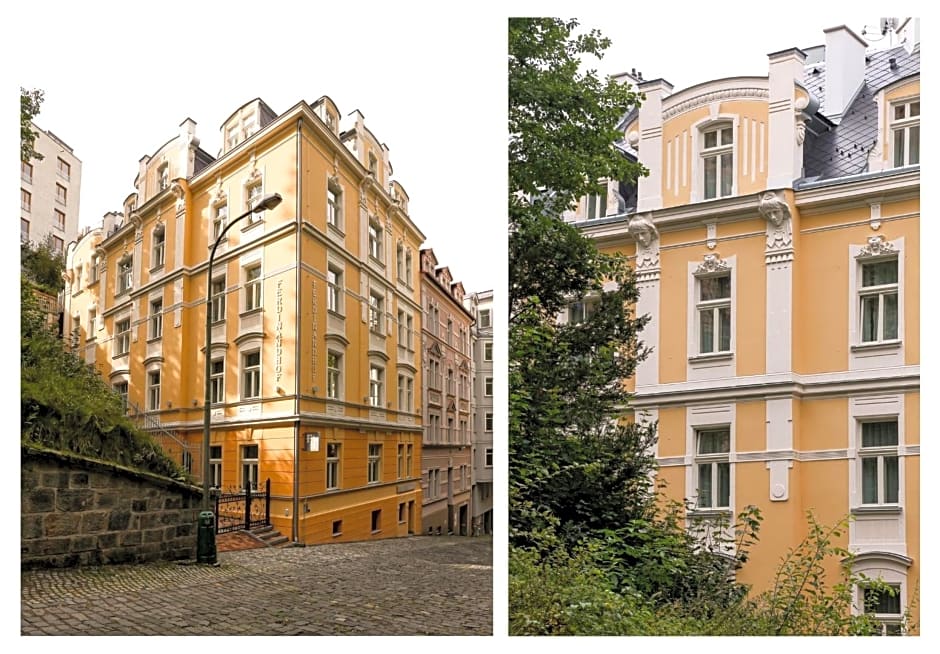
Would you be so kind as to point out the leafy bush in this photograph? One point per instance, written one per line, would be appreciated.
(66, 405)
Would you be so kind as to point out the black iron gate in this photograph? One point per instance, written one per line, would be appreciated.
(244, 509)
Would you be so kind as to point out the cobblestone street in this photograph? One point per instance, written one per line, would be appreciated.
(423, 585)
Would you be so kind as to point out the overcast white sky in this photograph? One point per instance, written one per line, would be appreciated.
(118, 84)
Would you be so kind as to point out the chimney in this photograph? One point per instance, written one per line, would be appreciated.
(845, 69)
(649, 188)
(909, 33)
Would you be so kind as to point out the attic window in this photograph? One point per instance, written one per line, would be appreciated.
(905, 132)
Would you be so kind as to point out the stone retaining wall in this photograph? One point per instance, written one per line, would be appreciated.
(78, 511)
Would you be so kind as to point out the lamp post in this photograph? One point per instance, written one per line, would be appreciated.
(205, 546)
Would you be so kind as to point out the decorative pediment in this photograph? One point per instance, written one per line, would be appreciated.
(713, 263)
(463, 367)
(254, 175)
(218, 193)
(435, 350)
(877, 246)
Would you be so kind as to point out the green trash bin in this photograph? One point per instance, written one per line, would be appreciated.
(205, 538)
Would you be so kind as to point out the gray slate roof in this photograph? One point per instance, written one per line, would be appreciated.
(843, 149)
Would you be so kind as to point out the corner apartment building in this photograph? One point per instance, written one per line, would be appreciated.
(446, 460)
(50, 191)
(314, 309)
(776, 244)
(480, 306)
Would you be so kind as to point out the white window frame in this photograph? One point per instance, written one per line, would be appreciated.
(376, 384)
(156, 318)
(595, 205)
(122, 388)
(882, 353)
(901, 131)
(334, 289)
(488, 457)
(250, 466)
(153, 390)
(487, 387)
(405, 393)
(714, 462)
(879, 454)
(334, 375)
(92, 324)
(333, 457)
(717, 152)
(253, 285)
(713, 308)
(219, 219)
(374, 463)
(251, 375)
(376, 312)
(215, 466)
(158, 250)
(122, 337)
(376, 241)
(485, 318)
(488, 422)
(217, 305)
(125, 274)
(217, 380)
(488, 351)
(880, 292)
(408, 267)
(254, 191)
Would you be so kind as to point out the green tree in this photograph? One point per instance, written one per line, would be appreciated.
(42, 265)
(65, 405)
(30, 102)
(568, 456)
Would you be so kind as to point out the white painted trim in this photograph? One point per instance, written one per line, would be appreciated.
(863, 408)
(704, 416)
(880, 354)
(697, 191)
(710, 366)
(896, 379)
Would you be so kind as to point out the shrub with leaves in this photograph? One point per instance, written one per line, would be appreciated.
(66, 405)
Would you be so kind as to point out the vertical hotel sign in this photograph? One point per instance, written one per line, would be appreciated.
(278, 333)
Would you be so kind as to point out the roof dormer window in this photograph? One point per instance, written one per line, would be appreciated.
(905, 132)
(717, 160)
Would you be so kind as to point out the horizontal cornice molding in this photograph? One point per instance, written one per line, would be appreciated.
(885, 380)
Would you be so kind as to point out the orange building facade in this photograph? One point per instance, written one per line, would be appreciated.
(776, 245)
(314, 309)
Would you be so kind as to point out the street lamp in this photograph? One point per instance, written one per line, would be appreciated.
(205, 546)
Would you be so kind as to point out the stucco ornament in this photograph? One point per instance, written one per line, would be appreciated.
(218, 193)
(643, 230)
(713, 263)
(777, 214)
(877, 246)
(177, 189)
